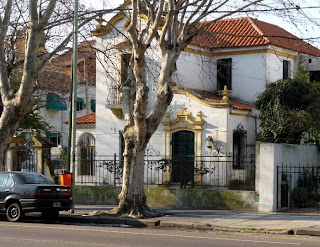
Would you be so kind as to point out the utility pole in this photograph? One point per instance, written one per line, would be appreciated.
(74, 84)
(73, 100)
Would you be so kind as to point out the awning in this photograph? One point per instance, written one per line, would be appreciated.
(54, 102)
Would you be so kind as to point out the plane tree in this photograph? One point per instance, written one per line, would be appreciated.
(31, 34)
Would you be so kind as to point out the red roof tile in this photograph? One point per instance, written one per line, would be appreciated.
(87, 119)
(249, 32)
(235, 104)
(241, 106)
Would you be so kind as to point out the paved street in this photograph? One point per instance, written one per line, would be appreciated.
(36, 233)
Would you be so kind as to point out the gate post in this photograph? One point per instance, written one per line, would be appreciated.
(11, 159)
(277, 206)
(42, 156)
(8, 166)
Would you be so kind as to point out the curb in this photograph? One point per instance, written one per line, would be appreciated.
(307, 231)
(165, 224)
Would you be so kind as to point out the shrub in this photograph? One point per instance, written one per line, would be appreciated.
(288, 108)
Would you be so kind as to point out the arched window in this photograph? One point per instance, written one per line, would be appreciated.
(86, 145)
(239, 147)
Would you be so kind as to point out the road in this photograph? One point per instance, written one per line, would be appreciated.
(36, 233)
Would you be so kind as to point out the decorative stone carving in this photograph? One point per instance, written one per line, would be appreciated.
(183, 121)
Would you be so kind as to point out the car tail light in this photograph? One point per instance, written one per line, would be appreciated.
(66, 192)
(43, 192)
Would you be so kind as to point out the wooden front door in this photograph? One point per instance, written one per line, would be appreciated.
(183, 157)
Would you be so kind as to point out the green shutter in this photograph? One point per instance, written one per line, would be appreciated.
(285, 69)
(229, 72)
(80, 104)
(93, 105)
(224, 73)
(54, 102)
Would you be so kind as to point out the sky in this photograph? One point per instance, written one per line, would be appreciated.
(306, 26)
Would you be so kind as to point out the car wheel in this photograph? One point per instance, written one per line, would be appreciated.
(50, 214)
(14, 212)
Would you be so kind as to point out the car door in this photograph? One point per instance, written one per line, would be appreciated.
(8, 185)
(3, 190)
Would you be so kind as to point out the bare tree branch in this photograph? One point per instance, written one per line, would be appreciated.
(156, 23)
(33, 14)
(132, 27)
(48, 12)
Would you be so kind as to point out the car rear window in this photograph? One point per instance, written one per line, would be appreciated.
(31, 178)
(3, 178)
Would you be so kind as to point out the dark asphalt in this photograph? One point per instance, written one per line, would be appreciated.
(38, 234)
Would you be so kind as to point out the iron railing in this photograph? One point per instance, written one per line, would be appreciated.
(198, 172)
(298, 186)
(25, 162)
(113, 97)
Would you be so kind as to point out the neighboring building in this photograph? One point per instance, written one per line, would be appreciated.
(244, 54)
(57, 91)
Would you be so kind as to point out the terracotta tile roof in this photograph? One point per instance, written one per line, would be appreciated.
(235, 104)
(249, 32)
(87, 119)
(241, 106)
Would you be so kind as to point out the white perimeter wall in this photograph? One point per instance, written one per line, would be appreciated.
(269, 156)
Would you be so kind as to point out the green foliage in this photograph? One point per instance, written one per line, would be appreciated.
(307, 188)
(299, 196)
(288, 108)
(33, 123)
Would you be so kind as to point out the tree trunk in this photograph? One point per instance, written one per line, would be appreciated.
(9, 121)
(132, 199)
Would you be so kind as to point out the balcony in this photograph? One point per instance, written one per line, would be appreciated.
(114, 101)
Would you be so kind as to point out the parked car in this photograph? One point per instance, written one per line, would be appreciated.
(22, 192)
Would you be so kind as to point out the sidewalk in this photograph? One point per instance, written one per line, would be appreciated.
(300, 222)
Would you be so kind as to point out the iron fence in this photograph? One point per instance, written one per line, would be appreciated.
(298, 186)
(199, 172)
(25, 162)
(58, 163)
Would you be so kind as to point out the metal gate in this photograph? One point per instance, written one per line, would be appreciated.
(297, 186)
(26, 158)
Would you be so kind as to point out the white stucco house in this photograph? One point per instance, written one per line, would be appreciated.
(215, 126)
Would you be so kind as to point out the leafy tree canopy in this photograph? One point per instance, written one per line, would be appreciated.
(33, 123)
(288, 109)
